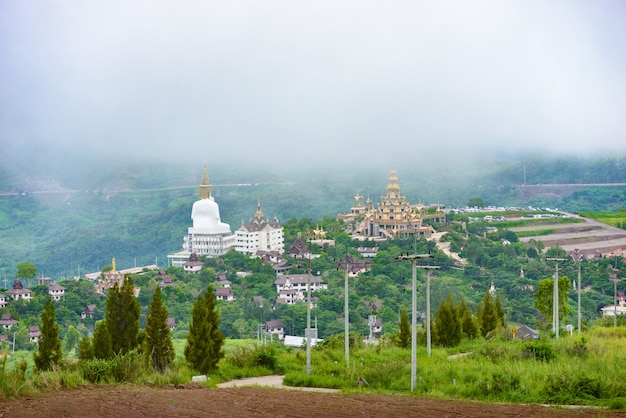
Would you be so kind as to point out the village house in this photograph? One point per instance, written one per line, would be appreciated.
(89, 310)
(292, 288)
(19, 291)
(56, 292)
(274, 327)
(368, 251)
(355, 265)
(34, 334)
(619, 309)
(3, 301)
(171, 323)
(165, 280)
(224, 293)
(193, 265)
(7, 321)
(222, 282)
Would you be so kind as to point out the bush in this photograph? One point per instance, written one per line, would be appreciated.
(124, 368)
(567, 389)
(539, 351)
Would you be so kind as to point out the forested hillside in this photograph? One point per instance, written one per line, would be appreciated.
(77, 216)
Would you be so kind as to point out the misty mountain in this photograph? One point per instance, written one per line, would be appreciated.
(78, 215)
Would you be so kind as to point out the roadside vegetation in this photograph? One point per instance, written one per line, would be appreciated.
(617, 219)
(574, 370)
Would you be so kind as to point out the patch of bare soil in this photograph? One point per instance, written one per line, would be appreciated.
(196, 401)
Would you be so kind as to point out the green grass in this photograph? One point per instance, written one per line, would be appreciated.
(586, 370)
(535, 233)
(609, 218)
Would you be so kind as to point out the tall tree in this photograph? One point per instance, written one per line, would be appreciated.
(469, 328)
(71, 339)
(102, 348)
(204, 343)
(26, 270)
(158, 344)
(48, 351)
(500, 311)
(487, 315)
(447, 325)
(122, 317)
(403, 337)
(544, 297)
(85, 350)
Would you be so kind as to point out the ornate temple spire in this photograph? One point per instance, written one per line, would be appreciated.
(205, 186)
(258, 216)
(393, 188)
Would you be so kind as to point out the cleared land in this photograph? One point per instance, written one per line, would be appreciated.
(589, 237)
(196, 401)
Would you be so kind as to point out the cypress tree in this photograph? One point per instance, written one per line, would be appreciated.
(487, 317)
(85, 349)
(158, 344)
(469, 329)
(447, 325)
(500, 312)
(403, 337)
(204, 344)
(122, 317)
(48, 351)
(102, 348)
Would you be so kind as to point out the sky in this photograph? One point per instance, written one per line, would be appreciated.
(306, 81)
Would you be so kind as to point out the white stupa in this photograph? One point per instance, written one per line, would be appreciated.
(209, 235)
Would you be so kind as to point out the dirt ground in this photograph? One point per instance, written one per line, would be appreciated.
(193, 400)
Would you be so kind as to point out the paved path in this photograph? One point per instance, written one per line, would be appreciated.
(275, 381)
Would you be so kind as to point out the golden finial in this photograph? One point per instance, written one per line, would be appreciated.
(205, 186)
(113, 264)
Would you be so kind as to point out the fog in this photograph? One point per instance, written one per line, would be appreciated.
(361, 82)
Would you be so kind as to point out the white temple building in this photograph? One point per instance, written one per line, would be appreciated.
(209, 235)
(260, 234)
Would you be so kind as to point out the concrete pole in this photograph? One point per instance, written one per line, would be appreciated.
(346, 316)
(413, 258)
(555, 297)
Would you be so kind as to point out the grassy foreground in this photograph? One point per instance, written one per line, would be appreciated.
(586, 370)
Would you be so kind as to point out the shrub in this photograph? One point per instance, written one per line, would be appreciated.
(539, 351)
(567, 389)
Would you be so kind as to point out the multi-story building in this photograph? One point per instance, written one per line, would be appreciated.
(260, 234)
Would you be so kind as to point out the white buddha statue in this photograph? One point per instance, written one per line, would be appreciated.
(205, 212)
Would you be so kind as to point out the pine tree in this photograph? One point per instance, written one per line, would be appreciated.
(204, 343)
(85, 349)
(500, 312)
(403, 337)
(102, 348)
(158, 344)
(447, 326)
(48, 351)
(122, 317)
(487, 315)
(469, 329)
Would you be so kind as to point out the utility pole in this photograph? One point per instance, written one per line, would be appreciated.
(346, 316)
(577, 256)
(428, 338)
(413, 258)
(555, 304)
(615, 280)
(308, 312)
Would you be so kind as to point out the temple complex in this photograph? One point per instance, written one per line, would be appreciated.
(208, 236)
(393, 217)
(260, 234)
